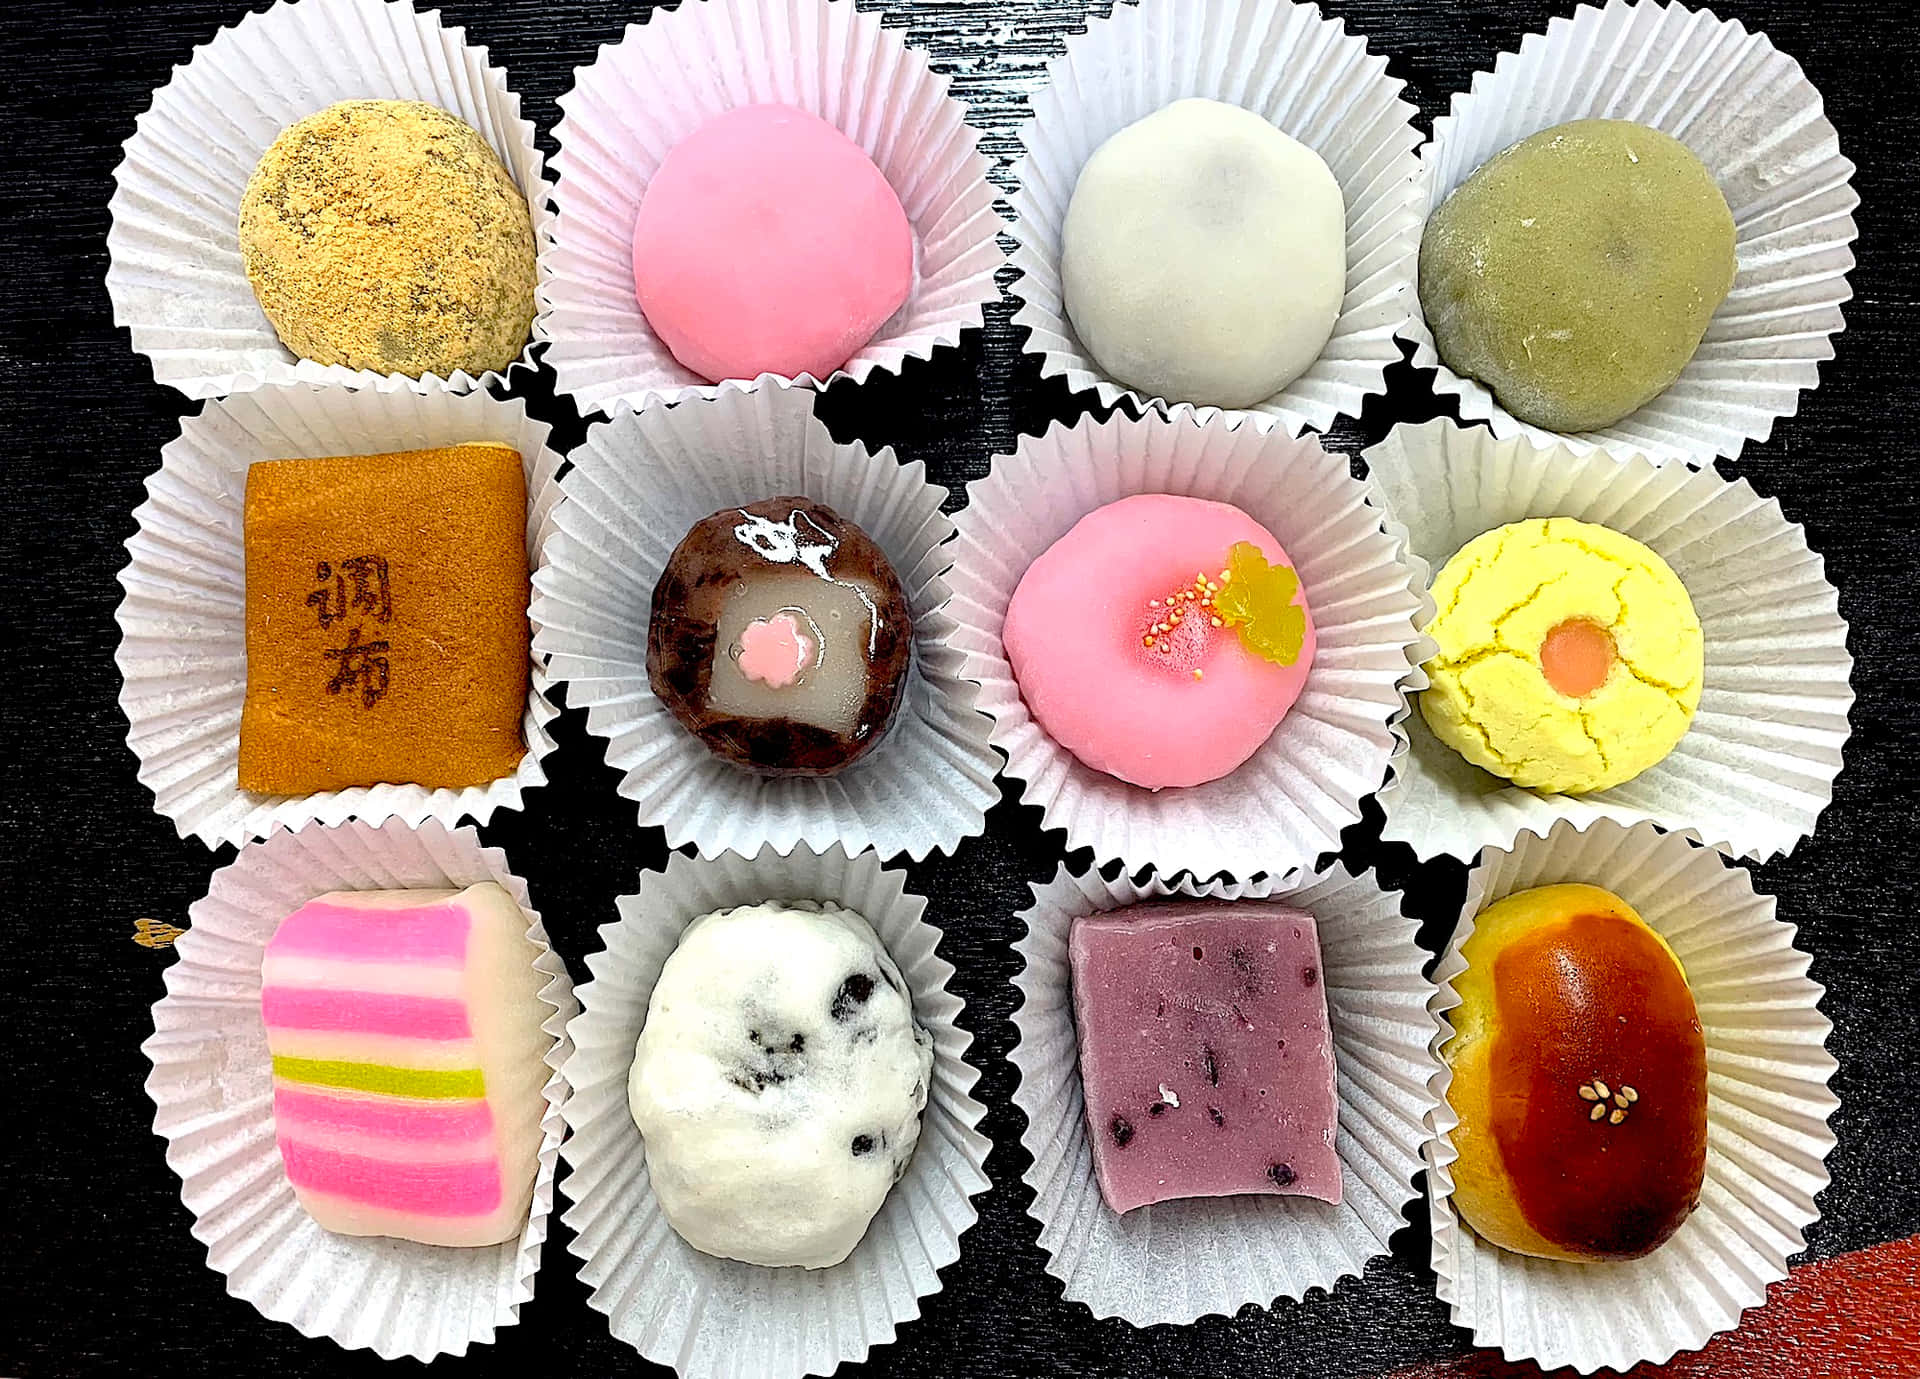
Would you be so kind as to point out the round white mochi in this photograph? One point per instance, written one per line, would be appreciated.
(778, 1083)
(1204, 255)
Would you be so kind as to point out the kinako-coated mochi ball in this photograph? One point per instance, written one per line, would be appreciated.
(387, 235)
(1204, 255)
(1575, 273)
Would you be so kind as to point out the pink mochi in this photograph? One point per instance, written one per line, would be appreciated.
(768, 242)
(1205, 1053)
(408, 1062)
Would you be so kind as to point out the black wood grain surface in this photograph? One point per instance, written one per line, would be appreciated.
(99, 1274)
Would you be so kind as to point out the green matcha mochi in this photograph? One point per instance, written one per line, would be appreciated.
(1575, 272)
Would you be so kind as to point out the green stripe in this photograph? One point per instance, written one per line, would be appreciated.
(377, 1077)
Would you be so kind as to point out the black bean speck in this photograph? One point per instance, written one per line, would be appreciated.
(1213, 1114)
(1198, 955)
(862, 1145)
(753, 1036)
(1282, 1174)
(1209, 1065)
(1121, 1129)
(1310, 975)
(1158, 1109)
(798, 1043)
(854, 992)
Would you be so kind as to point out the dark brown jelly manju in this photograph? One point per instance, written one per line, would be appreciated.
(1599, 1084)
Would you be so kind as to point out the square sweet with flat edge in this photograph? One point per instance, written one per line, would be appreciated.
(387, 632)
(1206, 1057)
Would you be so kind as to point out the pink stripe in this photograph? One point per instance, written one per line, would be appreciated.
(365, 1012)
(431, 933)
(471, 1188)
(388, 1118)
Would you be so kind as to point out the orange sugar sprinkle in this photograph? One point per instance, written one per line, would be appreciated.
(1216, 622)
(1146, 641)
(1199, 675)
(1166, 648)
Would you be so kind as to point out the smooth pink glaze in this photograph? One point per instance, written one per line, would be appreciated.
(768, 242)
(1074, 633)
(297, 1110)
(1219, 1007)
(470, 1187)
(775, 650)
(355, 933)
(365, 1012)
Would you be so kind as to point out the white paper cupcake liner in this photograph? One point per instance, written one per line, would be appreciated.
(1749, 113)
(212, 1089)
(1302, 73)
(1175, 1262)
(182, 653)
(1757, 766)
(1768, 1104)
(664, 80)
(175, 273)
(637, 485)
(1285, 806)
(709, 1317)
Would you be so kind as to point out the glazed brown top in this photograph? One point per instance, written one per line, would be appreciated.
(1599, 1075)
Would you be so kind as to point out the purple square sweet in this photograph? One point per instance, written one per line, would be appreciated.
(1205, 1053)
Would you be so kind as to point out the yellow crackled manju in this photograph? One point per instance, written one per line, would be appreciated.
(1570, 657)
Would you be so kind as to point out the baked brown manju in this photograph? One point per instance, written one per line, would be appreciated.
(780, 636)
(386, 620)
(1580, 1079)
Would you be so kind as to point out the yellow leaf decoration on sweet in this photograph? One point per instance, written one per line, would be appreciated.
(1256, 601)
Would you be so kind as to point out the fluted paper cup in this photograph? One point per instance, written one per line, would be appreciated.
(665, 79)
(637, 484)
(1285, 806)
(175, 272)
(212, 1090)
(708, 1317)
(183, 649)
(1178, 1261)
(1757, 765)
(1768, 1104)
(1749, 113)
(1298, 71)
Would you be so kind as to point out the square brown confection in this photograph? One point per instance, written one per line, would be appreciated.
(386, 620)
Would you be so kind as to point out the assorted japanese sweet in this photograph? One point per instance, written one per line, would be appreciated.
(408, 1062)
(768, 242)
(1579, 1077)
(386, 620)
(781, 637)
(1576, 272)
(1161, 640)
(387, 235)
(1570, 658)
(778, 1083)
(1204, 255)
(1206, 1059)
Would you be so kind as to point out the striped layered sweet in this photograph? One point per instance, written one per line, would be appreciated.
(407, 1052)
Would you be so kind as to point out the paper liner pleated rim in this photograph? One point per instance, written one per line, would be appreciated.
(175, 273)
(212, 1089)
(710, 1317)
(637, 485)
(1302, 73)
(182, 653)
(1750, 114)
(1175, 1262)
(663, 80)
(1283, 809)
(1758, 763)
(1768, 1108)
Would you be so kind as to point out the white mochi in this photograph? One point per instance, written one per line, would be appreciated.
(1204, 255)
(778, 1083)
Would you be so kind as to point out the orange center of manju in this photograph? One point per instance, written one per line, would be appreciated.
(1577, 657)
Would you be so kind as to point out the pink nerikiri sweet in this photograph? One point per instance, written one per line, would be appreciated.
(1077, 632)
(1205, 1053)
(768, 242)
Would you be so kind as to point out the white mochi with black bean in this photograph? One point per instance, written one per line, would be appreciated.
(778, 1083)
